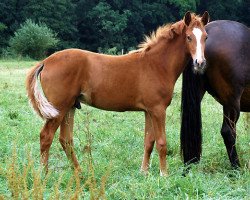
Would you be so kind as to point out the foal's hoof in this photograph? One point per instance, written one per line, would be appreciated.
(144, 172)
(78, 173)
(78, 169)
(45, 169)
(164, 173)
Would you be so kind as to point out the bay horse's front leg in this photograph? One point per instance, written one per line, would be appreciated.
(228, 132)
(156, 132)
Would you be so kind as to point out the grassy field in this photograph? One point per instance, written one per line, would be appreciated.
(111, 171)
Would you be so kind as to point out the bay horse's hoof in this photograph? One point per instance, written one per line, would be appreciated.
(186, 170)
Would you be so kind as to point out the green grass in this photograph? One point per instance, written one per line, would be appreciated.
(117, 149)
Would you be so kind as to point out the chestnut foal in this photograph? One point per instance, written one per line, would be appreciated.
(142, 80)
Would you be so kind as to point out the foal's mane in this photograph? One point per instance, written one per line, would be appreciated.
(152, 39)
(165, 31)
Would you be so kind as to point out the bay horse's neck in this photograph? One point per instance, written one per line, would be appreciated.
(170, 56)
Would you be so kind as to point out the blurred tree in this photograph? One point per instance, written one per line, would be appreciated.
(107, 27)
(105, 24)
(123, 23)
(33, 40)
(59, 15)
(9, 18)
(3, 41)
(245, 12)
(222, 9)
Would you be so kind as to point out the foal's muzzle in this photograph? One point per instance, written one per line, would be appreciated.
(199, 66)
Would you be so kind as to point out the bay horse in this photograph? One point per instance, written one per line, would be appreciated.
(227, 79)
(139, 81)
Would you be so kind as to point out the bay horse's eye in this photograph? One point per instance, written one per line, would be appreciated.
(189, 38)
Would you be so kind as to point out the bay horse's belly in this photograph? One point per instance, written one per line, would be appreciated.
(245, 100)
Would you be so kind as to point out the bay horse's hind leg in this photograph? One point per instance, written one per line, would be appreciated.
(228, 132)
(66, 137)
(46, 138)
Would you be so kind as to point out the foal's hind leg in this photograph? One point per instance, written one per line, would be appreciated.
(46, 138)
(228, 132)
(66, 137)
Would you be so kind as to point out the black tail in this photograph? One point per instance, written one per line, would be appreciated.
(191, 124)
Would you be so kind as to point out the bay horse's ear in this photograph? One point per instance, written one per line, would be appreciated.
(187, 18)
(205, 18)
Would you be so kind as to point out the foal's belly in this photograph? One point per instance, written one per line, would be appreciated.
(111, 102)
(245, 100)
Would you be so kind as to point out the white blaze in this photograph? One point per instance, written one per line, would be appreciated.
(198, 33)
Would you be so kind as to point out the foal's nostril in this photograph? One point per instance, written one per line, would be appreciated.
(200, 63)
(203, 63)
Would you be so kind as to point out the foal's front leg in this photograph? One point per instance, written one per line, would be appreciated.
(155, 131)
(149, 140)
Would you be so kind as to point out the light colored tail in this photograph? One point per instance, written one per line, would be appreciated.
(37, 99)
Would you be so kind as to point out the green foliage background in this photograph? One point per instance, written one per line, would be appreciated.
(32, 40)
(101, 25)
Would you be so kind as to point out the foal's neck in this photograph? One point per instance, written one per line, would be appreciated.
(170, 55)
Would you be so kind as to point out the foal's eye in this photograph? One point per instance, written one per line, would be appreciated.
(189, 38)
(206, 38)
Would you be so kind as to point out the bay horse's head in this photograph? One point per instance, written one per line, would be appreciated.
(196, 36)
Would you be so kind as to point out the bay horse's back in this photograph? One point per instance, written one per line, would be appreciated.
(227, 79)
(230, 41)
(228, 61)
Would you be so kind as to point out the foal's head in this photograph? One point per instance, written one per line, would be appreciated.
(196, 36)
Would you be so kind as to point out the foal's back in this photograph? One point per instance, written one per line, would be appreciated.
(103, 81)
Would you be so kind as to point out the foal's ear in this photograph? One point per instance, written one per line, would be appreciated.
(205, 18)
(187, 18)
(176, 29)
